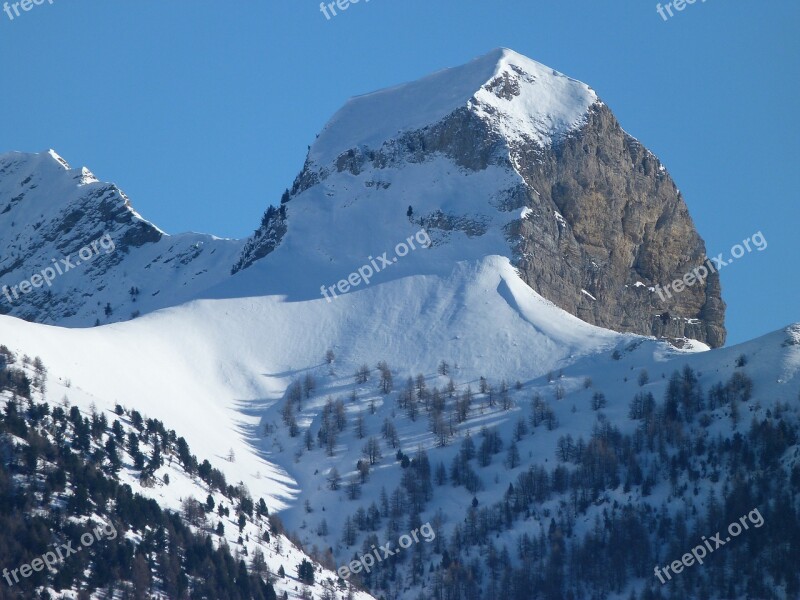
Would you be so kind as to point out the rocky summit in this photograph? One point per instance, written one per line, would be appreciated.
(590, 217)
(502, 156)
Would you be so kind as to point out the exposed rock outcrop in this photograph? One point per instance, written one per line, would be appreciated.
(603, 223)
(607, 225)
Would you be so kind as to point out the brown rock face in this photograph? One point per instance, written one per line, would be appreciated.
(606, 218)
(606, 223)
(606, 227)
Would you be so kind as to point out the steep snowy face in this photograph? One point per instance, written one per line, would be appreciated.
(516, 96)
(74, 252)
(441, 146)
(502, 156)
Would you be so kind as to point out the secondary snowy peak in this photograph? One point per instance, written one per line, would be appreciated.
(519, 97)
(502, 157)
(40, 188)
(74, 252)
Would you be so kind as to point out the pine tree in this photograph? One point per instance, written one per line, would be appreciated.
(513, 458)
(386, 383)
(334, 479)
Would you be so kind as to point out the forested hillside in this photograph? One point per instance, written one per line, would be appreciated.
(62, 476)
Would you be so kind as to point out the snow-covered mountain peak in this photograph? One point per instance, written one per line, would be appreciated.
(525, 98)
(502, 156)
(516, 95)
(58, 158)
(44, 184)
(51, 212)
(86, 176)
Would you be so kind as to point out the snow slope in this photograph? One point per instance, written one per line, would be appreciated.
(217, 371)
(49, 212)
(213, 367)
(548, 105)
(171, 486)
(213, 354)
(773, 362)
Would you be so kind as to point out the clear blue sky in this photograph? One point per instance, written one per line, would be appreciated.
(202, 111)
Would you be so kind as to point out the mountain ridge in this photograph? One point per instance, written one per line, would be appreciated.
(50, 212)
(552, 104)
(501, 156)
(599, 223)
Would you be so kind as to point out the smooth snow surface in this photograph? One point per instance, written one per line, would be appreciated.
(549, 104)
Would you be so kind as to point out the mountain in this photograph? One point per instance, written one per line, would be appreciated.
(69, 471)
(502, 156)
(105, 262)
(250, 378)
(505, 156)
(430, 340)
